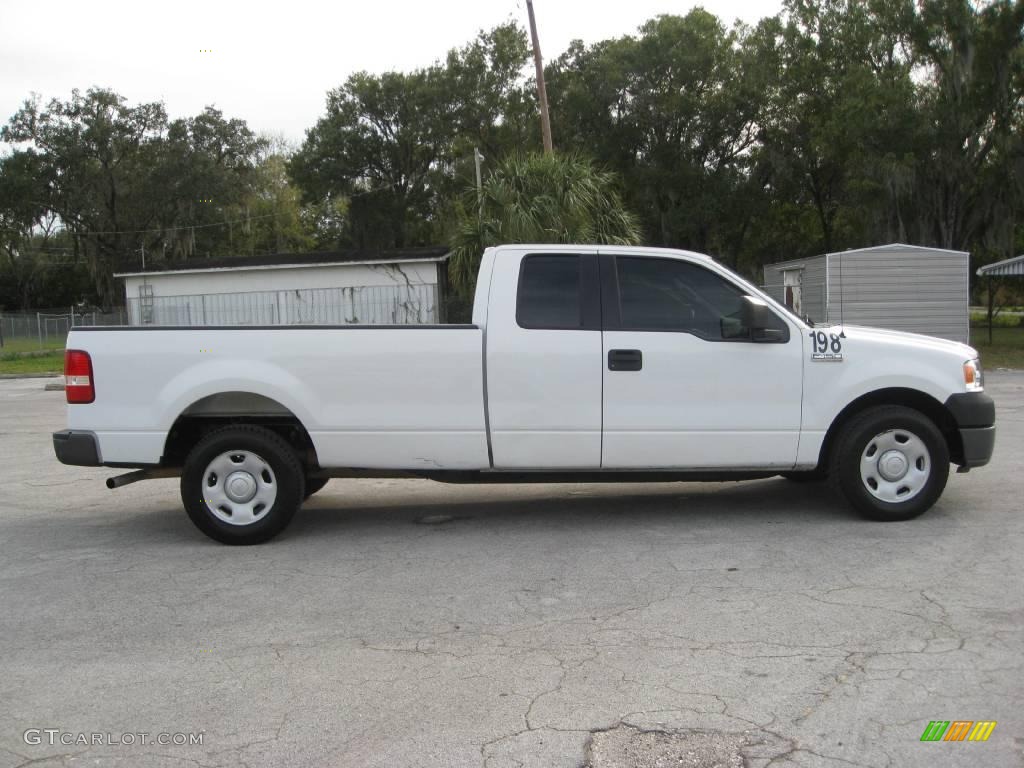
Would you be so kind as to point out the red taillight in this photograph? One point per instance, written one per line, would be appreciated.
(78, 383)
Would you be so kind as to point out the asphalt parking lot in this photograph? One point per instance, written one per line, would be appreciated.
(753, 624)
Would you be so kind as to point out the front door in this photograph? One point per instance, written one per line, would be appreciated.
(685, 386)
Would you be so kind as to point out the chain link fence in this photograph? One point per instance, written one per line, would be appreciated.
(47, 328)
(412, 304)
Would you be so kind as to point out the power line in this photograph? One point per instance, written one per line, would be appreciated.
(164, 229)
(51, 264)
(225, 223)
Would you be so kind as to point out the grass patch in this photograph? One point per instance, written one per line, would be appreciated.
(1002, 320)
(52, 362)
(26, 356)
(1005, 351)
(30, 345)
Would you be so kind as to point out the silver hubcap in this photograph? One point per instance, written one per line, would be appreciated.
(895, 465)
(239, 487)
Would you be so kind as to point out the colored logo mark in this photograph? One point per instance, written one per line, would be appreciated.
(958, 730)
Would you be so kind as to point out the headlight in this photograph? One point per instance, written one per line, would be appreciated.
(973, 379)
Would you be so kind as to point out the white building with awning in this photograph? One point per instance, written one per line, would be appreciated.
(401, 286)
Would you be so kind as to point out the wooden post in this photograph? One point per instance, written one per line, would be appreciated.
(542, 91)
(991, 305)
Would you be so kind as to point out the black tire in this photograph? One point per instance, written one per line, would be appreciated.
(869, 429)
(314, 484)
(816, 475)
(285, 473)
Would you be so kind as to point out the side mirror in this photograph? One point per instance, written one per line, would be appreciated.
(764, 325)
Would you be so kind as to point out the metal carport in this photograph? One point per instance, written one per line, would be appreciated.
(1006, 268)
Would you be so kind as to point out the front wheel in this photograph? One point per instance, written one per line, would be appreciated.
(242, 484)
(314, 484)
(890, 463)
(817, 475)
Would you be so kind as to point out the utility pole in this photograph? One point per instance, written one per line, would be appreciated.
(145, 290)
(477, 159)
(542, 91)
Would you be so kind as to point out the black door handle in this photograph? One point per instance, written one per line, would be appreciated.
(625, 359)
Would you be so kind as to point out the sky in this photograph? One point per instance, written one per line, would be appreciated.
(272, 63)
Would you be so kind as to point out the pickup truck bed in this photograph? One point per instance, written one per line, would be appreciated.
(375, 397)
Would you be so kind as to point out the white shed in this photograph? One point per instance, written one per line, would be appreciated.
(335, 287)
(902, 287)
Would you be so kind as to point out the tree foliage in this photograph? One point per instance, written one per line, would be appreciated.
(673, 111)
(394, 145)
(122, 180)
(972, 172)
(539, 198)
(834, 124)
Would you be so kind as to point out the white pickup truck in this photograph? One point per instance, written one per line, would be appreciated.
(583, 363)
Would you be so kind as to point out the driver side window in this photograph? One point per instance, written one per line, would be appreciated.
(672, 295)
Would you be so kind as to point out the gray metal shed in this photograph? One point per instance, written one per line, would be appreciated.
(902, 287)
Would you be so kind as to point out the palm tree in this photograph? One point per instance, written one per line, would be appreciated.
(539, 198)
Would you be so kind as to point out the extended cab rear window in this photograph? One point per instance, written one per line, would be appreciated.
(550, 292)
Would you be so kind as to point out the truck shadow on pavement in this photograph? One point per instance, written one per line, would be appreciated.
(370, 512)
(585, 507)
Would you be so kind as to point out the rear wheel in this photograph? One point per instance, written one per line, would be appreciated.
(242, 484)
(890, 463)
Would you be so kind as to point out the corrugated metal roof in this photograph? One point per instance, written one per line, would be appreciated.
(879, 249)
(794, 263)
(1006, 268)
(897, 247)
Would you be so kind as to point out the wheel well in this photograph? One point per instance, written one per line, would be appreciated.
(226, 408)
(910, 398)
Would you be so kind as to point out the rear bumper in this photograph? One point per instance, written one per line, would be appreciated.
(77, 448)
(975, 415)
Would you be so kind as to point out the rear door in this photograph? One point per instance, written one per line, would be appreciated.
(685, 386)
(544, 359)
